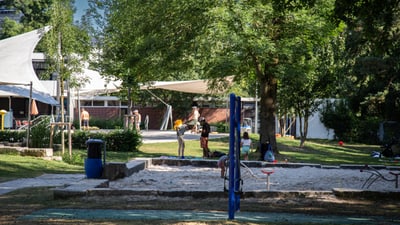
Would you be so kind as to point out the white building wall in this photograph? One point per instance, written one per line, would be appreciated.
(316, 129)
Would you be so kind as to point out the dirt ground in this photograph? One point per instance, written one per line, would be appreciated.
(22, 202)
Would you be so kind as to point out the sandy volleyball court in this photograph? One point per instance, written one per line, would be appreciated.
(189, 178)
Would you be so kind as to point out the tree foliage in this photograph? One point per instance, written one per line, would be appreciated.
(309, 76)
(337, 116)
(257, 41)
(373, 47)
(67, 46)
(34, 15)
(58, 14)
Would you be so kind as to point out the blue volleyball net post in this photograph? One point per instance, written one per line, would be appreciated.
(234, 155)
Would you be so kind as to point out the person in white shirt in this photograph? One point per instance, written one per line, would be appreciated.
(137, 119)
(195, 119)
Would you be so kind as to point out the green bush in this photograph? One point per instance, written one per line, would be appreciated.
(12, 135)
(79, 138)
(222, 127)
(123, 141)
(339, 117)
(40, 135)
(74, 159)
(347, 126)
(106, 123)
(118, 140)
(366, 130)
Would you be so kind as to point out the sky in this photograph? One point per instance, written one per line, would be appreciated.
(81, 6)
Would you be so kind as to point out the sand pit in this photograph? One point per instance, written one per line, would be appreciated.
(189, 178)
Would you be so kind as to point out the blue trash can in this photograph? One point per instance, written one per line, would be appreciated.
(93, 162)
(93, 168)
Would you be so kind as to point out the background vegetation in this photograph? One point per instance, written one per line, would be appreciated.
(291, 53)
(12, 165)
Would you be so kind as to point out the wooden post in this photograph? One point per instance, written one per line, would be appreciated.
(69, 139)
(61, 124)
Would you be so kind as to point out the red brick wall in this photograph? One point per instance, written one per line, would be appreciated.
(101, 112)
(156, 115)
(214, 115)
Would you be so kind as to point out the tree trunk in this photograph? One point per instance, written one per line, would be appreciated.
(282, 125)
(268, 94)
(304, 129)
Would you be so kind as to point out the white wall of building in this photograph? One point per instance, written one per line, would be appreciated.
(316, 129)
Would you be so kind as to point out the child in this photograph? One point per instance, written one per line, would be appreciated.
(245, 144)
(223, 163)
(180, 131)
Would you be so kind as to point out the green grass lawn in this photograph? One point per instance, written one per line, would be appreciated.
(24, 201)
(15, 166)
(315, 151)
(329, 153)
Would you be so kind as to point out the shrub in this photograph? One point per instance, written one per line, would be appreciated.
(117, 140)
(366, 130)
(222, 127)
(347, 126)
(123, 141)
(339, 117)
(74, 159)
(79, 138)
(12, 136)
(40, 135)
(106, 123)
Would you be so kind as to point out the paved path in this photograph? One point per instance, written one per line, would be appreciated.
(154, 136)
(50, 180)
(186, 215)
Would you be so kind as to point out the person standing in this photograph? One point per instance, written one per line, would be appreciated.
(245, 144)
(180, 131)
(85, 119)
(137, 119)
(205, 131)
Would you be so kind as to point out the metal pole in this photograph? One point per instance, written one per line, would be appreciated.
(29, 115)
(231, 193)
(237, 153)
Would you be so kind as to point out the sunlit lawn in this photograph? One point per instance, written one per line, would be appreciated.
(315, 151)
(192, 148)
(329, 152)
(15, 166)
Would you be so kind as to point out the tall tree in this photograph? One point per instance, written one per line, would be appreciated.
(139, 42)
(269, 42)
(256, 41)
(34, 15)
(311, 76)
(67, 47)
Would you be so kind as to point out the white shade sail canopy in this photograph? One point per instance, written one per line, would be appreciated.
(17, 70)
(95, 84)
(188, 86)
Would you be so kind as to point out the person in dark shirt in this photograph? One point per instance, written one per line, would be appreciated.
(205, 131)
